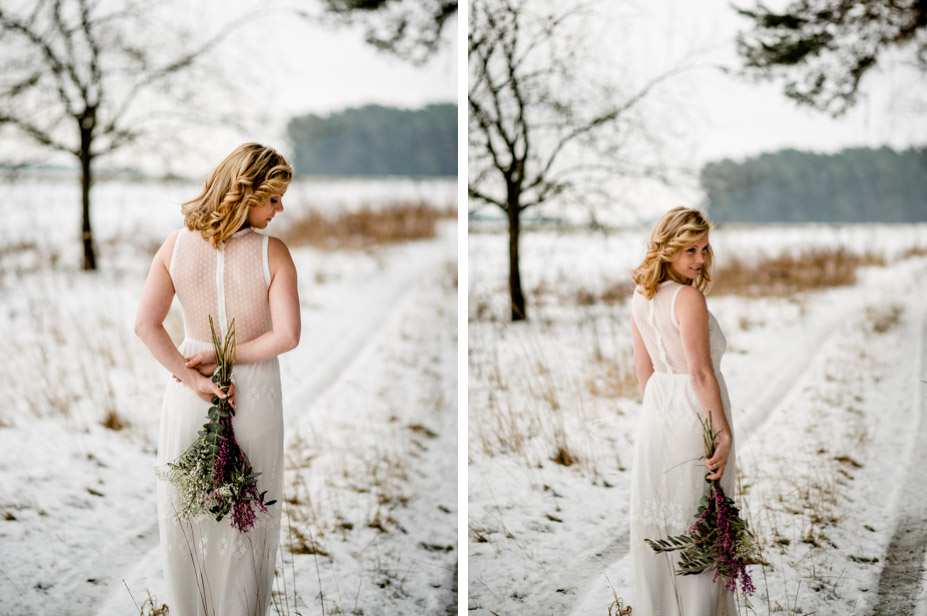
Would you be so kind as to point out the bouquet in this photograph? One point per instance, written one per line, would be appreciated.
(213, 476)
(719, 539)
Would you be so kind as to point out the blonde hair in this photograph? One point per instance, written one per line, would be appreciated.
(678, 229)
(245, 179)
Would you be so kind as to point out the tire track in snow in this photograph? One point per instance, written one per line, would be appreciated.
(901, 577)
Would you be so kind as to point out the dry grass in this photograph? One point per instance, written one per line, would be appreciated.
(914, 251)
(301, 544)
(368, 226)
(786, 274)
(544, 402)
(883, 318)
(615, 379)
(149, 606)
(613, 294)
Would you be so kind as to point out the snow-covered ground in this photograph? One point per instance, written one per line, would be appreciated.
(828, 417)
(370, 397)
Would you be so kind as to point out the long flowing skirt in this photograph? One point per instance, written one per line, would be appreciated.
(212, 569)
(667, 483)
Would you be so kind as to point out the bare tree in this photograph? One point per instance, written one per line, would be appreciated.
(822, 49)
(540, 126)
(411, 29)
(74, 71)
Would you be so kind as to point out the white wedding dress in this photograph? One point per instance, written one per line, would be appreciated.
(668, 474)
(210, 567)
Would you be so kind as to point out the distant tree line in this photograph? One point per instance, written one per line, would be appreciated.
(854, 185)
(375, 140)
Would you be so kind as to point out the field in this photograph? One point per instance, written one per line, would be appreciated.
(370, 402)
(826, 341)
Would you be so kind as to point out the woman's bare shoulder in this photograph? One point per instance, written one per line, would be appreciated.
(278, 255)
(167, 248)
(690, 298)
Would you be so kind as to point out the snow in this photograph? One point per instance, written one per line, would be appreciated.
(369, 397)
(828, 413)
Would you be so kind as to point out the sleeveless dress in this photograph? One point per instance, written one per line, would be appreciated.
(668, 474)
(210, 567)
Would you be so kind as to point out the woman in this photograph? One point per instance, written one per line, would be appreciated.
(220, 266)
(677, 349)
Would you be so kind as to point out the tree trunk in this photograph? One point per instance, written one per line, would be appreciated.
(86, 122)
(518, 298)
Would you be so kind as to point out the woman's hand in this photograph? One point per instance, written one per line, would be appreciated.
(206, 389)
(203, 362)
(717, 462)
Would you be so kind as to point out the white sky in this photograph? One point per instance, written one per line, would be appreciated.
(323, 68)
(283, 66)
(741, 118)
(705, 114)
(299, 66)
(313, 67)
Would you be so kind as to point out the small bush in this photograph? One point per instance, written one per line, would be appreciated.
(563, 457)
(113, 421)
(884, 318)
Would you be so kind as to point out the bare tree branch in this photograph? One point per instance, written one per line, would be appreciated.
(73, 74)
(532, 120)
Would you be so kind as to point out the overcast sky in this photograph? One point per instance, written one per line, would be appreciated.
(295, 66)
(707, 114)
(742, 118)
(317, 66)
(281, 65)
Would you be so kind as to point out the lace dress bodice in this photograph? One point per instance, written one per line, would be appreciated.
(656, 322)
(230, 283)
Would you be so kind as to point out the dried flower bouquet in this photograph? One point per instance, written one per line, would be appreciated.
(213, 476)
(719, 540)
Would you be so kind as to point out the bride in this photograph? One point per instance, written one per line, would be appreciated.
(677, 349)
(221, 266)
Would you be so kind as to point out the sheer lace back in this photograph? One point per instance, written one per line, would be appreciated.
(230, 283)
(656, 322)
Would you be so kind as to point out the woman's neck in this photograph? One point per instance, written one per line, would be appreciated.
(671, 275)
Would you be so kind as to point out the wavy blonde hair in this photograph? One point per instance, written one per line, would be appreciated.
(678, 229)
(245, 179)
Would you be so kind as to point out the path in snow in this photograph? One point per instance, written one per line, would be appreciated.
(902, 576)
(901, 580)
(787, 373)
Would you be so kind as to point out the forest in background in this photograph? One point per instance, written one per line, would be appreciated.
(374, 140)
(853, 185)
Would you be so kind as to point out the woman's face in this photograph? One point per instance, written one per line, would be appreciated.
(260, 216)
(688, 265)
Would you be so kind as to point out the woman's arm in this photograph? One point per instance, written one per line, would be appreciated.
(284, 313)
(149, 324)
(692, 316)
(642, 360)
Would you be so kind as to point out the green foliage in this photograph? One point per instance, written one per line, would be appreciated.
(374, 140)
(823, 49)
(854, 185)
